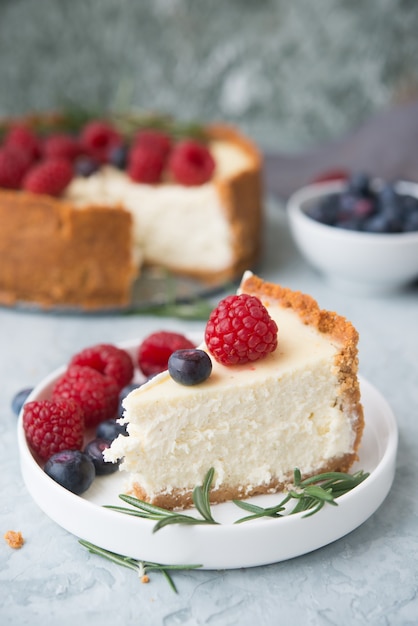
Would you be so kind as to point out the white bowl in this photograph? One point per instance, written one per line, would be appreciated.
(358, 262)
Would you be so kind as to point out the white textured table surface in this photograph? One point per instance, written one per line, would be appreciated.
(369, 576)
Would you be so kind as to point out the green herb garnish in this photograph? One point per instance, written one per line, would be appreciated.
(198, 309)
(310, 494)
(72, 119)
(165, 517)
(141, 567)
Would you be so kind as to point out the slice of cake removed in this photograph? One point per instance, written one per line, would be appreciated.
(298, 407)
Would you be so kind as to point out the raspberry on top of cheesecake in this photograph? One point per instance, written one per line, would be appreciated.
(286, 398)
(85, 206)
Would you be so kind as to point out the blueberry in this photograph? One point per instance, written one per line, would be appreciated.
(387, 194)
(85, 166)
(94, 450)
(359, 184)
(110, 429)
(19, 399)
(189, 366)
(411, 222)
(376, 224)
(126, 391)
(353, 223)
(325, 211)
(118, 156)
(72, 469)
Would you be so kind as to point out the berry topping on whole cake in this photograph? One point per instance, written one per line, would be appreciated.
(149, 155)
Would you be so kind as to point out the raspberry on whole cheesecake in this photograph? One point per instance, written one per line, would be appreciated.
(156, 349)
(52, 426)
(49, 177)
(12, 168)
(98, 395)
(108, 360)
(191, 163)
(62, 146)
(240, 330)
(145, 164)
(23, 137)
(153, 139)
(98, 138)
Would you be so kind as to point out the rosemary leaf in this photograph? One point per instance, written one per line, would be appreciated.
(141, 567)
(187, 520)
(201, 497)
(111, 556)
(310, 494)
(193, 310)
(145, 506)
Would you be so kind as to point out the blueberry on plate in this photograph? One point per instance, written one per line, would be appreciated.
(94, 449)
(189, 366)
(126, 391)
(72, 469)
(19, 399)
(110, 429)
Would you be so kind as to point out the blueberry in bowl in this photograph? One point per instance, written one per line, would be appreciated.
(361, 233)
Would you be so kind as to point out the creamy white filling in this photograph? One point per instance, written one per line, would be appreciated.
(251, 423)
(180, 227)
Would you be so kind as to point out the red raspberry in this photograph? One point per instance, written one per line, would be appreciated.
(97, 395)
(62, 146)
(191, 163)
(23, 137)
(49, 177)
(240, 330)
(155, 350)
(145, 164)
(108, 360)
(153, 139)
(98, 138)
(53, 425)
(13, 168)
(331, 175)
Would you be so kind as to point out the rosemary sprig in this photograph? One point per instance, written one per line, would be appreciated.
(310, 494)
(193, 310)
(141, 567)
(72, 118)
(165, 517)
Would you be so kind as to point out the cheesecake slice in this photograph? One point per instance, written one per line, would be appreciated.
(298, 407)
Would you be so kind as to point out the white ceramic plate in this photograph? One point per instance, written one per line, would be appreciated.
(224, 546)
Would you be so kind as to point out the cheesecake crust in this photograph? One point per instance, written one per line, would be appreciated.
(51, 253)
(336, 327)
(182, 499)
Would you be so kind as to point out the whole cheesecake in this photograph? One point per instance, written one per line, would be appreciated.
(298, 407)
(86, 246)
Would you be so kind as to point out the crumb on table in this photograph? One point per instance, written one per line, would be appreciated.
(14, 538)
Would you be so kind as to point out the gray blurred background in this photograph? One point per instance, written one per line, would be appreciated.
(292, 74)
